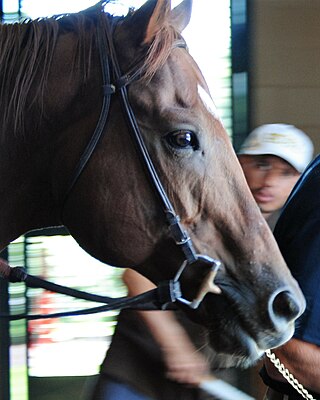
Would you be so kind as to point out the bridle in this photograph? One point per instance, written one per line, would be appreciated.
(167, 292)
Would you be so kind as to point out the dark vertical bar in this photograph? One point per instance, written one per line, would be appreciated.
(27, 337)
(4, 324)
(1, 11)
(240, 70)
(4, 338)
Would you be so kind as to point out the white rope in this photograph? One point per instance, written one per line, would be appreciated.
(288, 376)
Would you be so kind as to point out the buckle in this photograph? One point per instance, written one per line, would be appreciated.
(207, 286)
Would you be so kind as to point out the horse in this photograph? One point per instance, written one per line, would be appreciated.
(107, 127)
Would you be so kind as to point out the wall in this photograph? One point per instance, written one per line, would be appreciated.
(285, 64)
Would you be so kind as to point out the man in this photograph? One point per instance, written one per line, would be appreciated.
(272, 157)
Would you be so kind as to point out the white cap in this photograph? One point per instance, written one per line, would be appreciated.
(281, 140)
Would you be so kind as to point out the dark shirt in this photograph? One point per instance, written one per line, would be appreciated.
(298, 235)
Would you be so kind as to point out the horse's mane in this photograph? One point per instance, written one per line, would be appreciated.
(27, 50)
(26, 53)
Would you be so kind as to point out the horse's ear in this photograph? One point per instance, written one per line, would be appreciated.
(159, 16)
(181, 15)
(149, 19)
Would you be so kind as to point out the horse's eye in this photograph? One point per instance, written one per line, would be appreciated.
(183, 139)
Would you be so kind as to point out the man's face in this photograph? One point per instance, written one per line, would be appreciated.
(270, 180)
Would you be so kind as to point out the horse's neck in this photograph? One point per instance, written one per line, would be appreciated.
(37, 165)
(25, 203)
(34, 174)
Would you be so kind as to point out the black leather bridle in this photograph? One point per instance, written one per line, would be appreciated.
(167, 292)
(109, 61)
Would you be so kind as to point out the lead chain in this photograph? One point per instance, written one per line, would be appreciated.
(288, 376)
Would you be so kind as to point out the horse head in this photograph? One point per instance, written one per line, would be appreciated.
(113, 209)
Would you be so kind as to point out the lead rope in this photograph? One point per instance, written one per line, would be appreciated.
(288, 376)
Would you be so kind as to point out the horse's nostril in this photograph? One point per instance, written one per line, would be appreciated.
(285, 306)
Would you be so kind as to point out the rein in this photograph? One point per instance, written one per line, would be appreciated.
(159, 298)
(167, 292)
